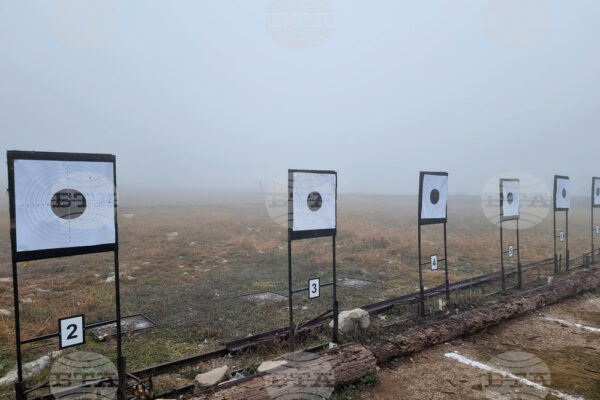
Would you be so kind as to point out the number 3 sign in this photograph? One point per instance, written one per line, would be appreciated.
(72, 332)
(314, 286)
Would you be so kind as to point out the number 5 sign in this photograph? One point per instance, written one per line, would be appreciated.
(72, 331)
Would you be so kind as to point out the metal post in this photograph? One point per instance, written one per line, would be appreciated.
(290, 300)
(446, 265)
(568, 262)
(335, 301)
(421, 289)
(121, 367)
(592, 222)
(519, 268)
(502, 258)
(555, 254)
(19, 385)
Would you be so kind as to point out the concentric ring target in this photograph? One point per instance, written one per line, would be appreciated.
(313, 196)
(39, 223)
(433, 195)
(562, 193)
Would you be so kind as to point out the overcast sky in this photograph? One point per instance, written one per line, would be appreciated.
(224, 94)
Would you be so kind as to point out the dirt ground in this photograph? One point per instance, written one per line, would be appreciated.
(570, 353)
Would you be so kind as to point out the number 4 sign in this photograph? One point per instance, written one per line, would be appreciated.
(434, 262)
(72, 332)
(314, 288)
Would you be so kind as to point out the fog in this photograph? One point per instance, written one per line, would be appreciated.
(224, 96)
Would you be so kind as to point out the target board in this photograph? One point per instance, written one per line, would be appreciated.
(509, 199)
(596, 192)
(561, 236)
(511, 251)
(312, 203)
(61, 204)
(562, 193)
(433, 196)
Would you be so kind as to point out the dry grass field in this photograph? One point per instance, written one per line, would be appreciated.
(186, 266)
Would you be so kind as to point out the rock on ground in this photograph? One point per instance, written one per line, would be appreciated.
(349, 319)
(29, 369)
(211, 378)
(268, 365)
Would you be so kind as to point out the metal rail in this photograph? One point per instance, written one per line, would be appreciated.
(374, 308)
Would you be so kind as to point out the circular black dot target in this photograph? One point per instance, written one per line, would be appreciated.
(434, 196)
(564, 193)
(510, 198)
(314, 201)
(68, 204)
(598, 191)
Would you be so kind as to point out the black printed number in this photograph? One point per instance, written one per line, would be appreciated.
(314, 288)
(73, 329)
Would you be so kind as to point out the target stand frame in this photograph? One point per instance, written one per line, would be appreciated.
(593, 227)
(518, 248)
(431, 221)
(310, 234)
(566, 235)
(26, 256)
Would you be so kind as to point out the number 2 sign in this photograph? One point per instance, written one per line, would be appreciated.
(314, 288)
(72, 331)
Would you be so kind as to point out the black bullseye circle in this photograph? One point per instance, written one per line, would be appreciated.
(598, 191)
(68, 204)
(434, 196)
(510, 198)
(314, 201)
(564, 193)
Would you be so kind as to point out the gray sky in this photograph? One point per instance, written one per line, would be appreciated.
(212, 95)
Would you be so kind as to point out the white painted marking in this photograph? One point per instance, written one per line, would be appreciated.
(575, 324)
(485, 367)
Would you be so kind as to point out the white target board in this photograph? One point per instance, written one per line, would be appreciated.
(314, 288)
(510, 198)
(60, 205)
(511, 251)
(561, 236)
(434, 262)
(313, 203)
(433, 196)
(596, 192)
(562, 193)
(597, 229)
(72, 331)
